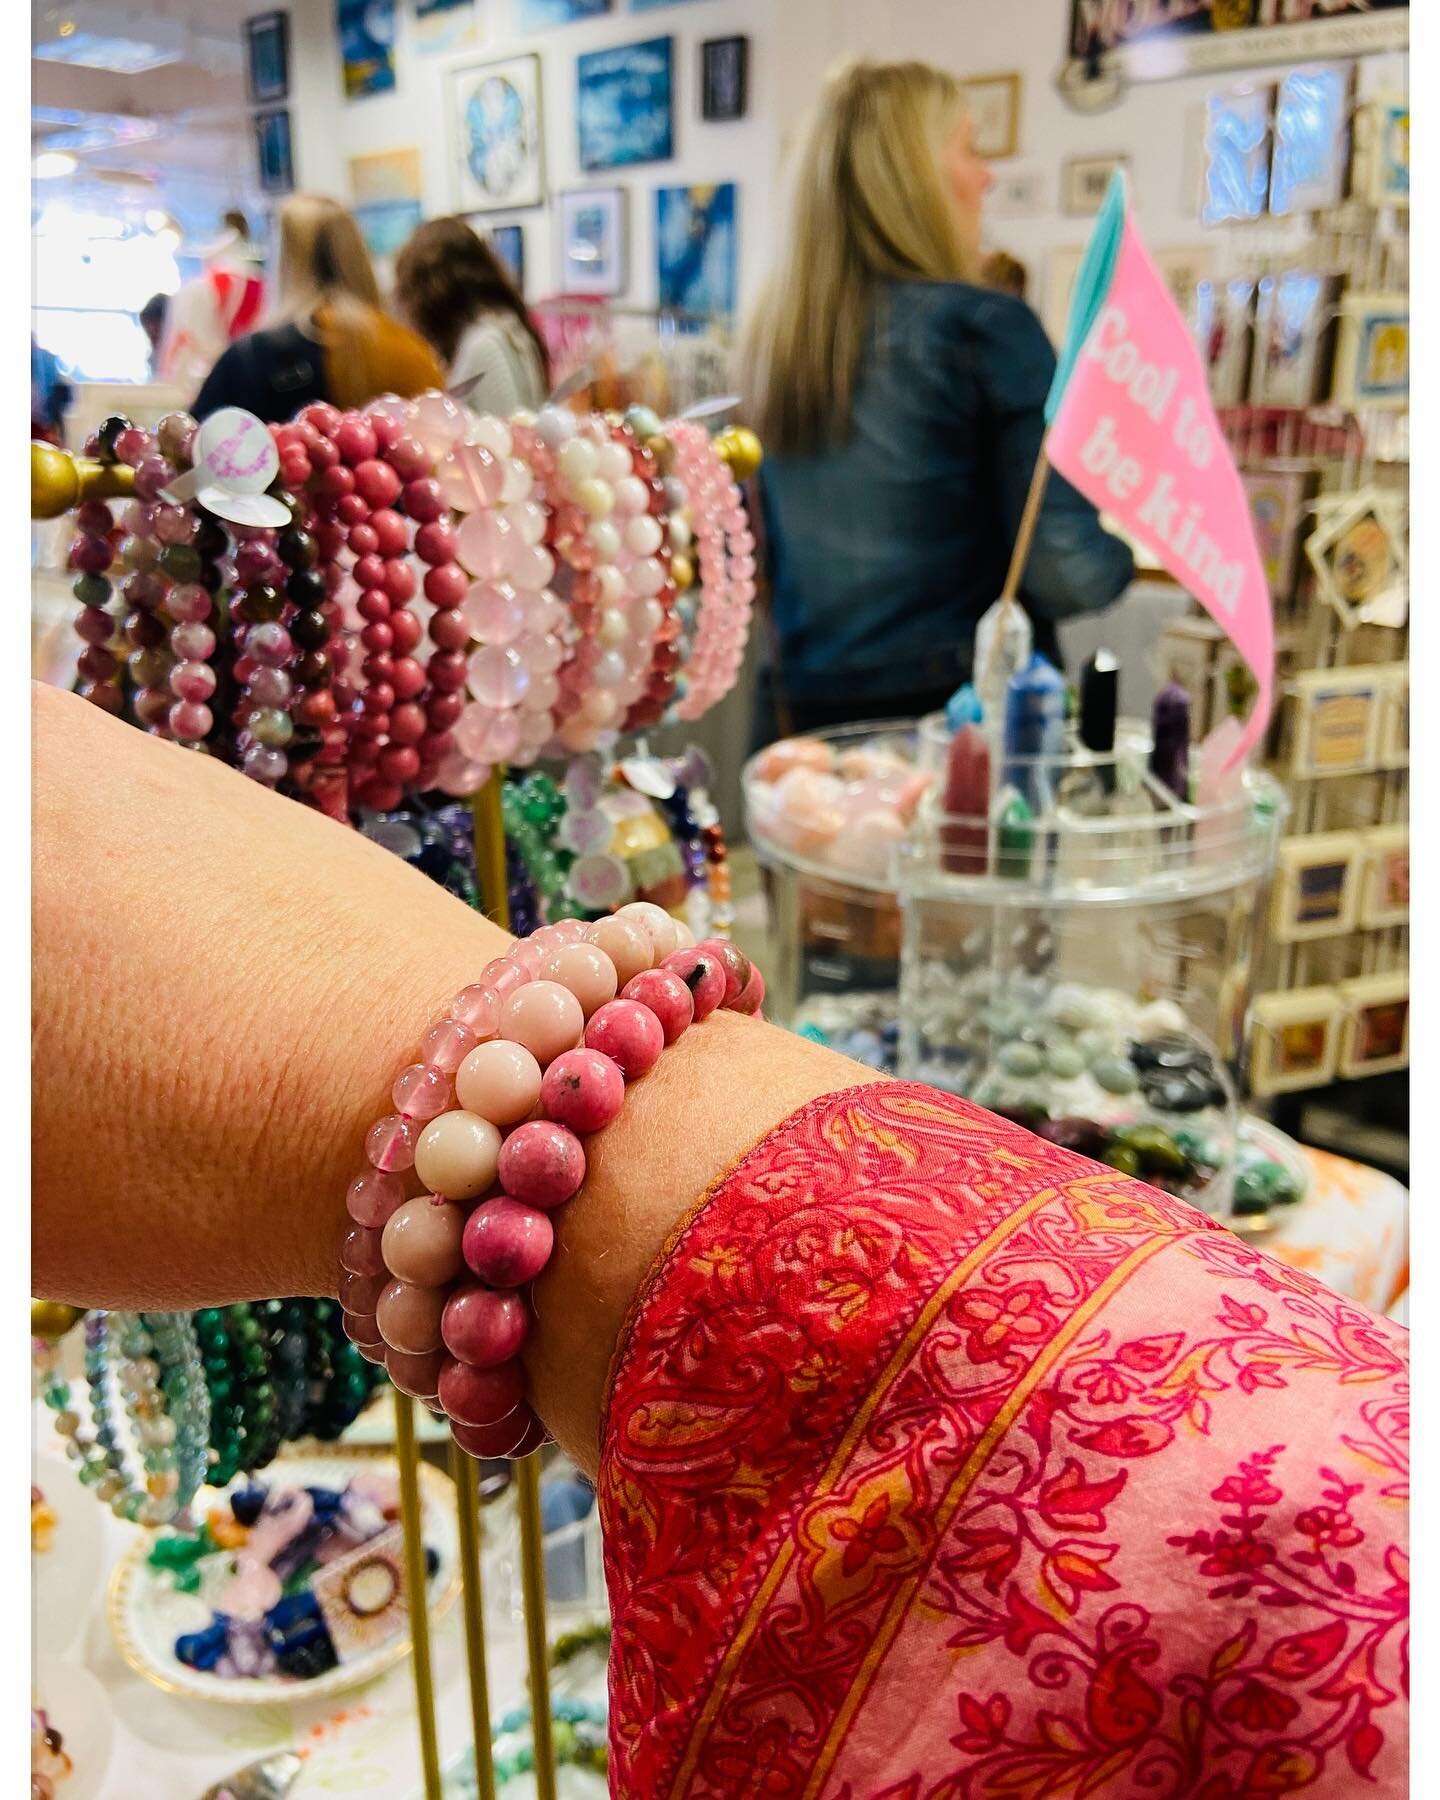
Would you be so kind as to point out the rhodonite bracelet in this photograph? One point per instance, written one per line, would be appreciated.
(452, 1218)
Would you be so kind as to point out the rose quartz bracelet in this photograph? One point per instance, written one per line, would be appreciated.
(520, 1067)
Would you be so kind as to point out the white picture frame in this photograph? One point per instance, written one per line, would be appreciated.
(593, 247)
(1083, 183)
(497, 135)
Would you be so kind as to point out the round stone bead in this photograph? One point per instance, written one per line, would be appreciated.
(373, 1196)
(477, 1008)
(586, 971)
(360, 1253)
(542, 1164)
(629, 1034)
(667, 997)
(513, 1436)
(474, 1396)
(359, 1293)
(507, 1243)
(752, 996)
(421, 1242)
(526, 955)
(704, 977)
(500, 1081)
(656, 921)
(545, 1017)
(446, 1044)
(736, 964)
(361, 1328)
(456, 1155)
(503, 977)
(583, 1089)
(420, 1092)
(418, 1376)
(409, 1317)
(630, 947)
(483, 1327)
(390, 1144)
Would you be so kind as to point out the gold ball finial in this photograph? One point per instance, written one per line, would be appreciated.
(53, 1318)
(54, 481)
(738, 446)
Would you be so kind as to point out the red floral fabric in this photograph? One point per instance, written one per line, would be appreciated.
(940, 1464)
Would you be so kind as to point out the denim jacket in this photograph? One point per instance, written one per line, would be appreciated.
(886, 548)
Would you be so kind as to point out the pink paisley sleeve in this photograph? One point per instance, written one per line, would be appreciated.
(940, 1464)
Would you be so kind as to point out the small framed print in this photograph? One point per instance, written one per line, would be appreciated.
(267, 57)
(1083, 181)
(1278, 500)
(1224, 326)
(1311, 151)
(1337, 720)
(1317, 887)
(993, 102)
(273, 152)
(1385, 122)
(1294, 338)
(1294, 1040)
(1237, 155)
(724, 79)
(1357, 551)
(592, 241)
(1187, 653)
(1384, 876)
(508, 243)
(1372, 364)
(1395, 719)
(1375, 1035)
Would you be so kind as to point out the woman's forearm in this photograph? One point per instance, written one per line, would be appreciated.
(224, 986)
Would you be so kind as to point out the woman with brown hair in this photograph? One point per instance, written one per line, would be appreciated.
(454, 290)
(328, 338)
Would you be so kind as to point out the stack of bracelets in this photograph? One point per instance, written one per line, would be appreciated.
(537, 1054)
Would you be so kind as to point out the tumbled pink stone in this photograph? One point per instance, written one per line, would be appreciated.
(583, 1089)
(545, 1017)
(474, 1396)
(507, 1243)
(422, 1241)
(500, 1081)
(513, 1436)
(446, 1044)
(667, 997)
(477, 1007)
(702, 974)
(420, 1092)
(734, 961)
(542, 1163)
(409, 1317)
(390, 1143)
(418, 1376)
(483, 1327)
(753, 996)
(373, 1196)
(360, 1253)
(629, 1034)
(586, 970)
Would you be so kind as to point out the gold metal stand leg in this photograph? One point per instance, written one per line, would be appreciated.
(490, 850)
(409, 1459)
(532, 1570)
(467, 1497)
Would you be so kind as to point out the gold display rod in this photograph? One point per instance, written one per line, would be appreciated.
(490, 850)
(60, 481)
(472, 1594)
(532, 1574)
(408, 1456)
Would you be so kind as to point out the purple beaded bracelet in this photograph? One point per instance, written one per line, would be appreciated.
(520, 1067)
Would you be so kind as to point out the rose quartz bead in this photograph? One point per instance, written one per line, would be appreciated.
(545, 1017)
(507, 1243)
(656, 921)
(572, 931)
(477, 1008)
(629, 1034)
(583, 1089)
(361, 1329)
(409, 1317)
(456, 1155)
(421, 1242)
(474, 1396)
(390, 1143)
(527, 956)
(503, 977)
(667, 997)
(752, 998)
(511, 1437)
(446, 1044)
(734, 961)
(587, 971)
(542, 1163)
(483, 1327)
(418, 1376)
(360, 1253)
(500, 1081)
(373, 1196)
(420, 1092)
(704, 977)
(359, 1293)
(629, 946)
(548, 938)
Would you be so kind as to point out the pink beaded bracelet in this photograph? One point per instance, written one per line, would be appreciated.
(521, 1066)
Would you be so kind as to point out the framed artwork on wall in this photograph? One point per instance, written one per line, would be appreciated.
(724, 78)
(1083, 181)
(625, 104)
(1372, 365)
(994, 105)
(1224, 326)
(1310, 156)
(1357, 551)
(1294, 338)
(497, 134)
(386, 189)
(1237, 155)
(592, 241)
(508, 243)
(267, 58)
(366, 30)
(1383, 166)
(1278, 501)
(272, 146)
(539, 15)
(696, 249)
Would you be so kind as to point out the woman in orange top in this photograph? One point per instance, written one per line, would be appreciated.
(329, 338)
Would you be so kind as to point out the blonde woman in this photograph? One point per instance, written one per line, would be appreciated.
(900, 403)
(328, 338)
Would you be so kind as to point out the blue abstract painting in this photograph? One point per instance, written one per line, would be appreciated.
(625, 105)
(538, 15)
(650, 5)
(366, 29)
(695, 249)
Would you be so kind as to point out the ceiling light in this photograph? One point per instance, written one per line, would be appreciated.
(50, 164)
(96, 50)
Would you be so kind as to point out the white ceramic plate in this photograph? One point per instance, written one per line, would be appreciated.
(146, 1615)
(66, 1576)
(79, 1709)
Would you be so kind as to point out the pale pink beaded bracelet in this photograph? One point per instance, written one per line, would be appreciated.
(537, 1054)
